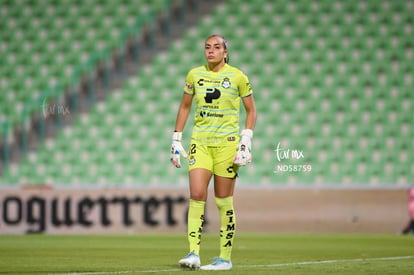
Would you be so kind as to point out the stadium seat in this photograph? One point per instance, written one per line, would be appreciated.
(332, 79)
(44, 42)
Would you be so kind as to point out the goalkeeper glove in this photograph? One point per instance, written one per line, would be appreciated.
(244, 149)
(177, 149)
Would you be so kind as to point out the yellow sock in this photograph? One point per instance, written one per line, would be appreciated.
(195, 224)
(227, 226)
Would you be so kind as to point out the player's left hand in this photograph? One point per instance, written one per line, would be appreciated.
(244, 149)
(177, 150)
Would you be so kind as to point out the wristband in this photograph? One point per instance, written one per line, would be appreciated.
(177, 136)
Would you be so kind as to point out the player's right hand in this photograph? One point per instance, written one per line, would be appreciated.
(177, 149)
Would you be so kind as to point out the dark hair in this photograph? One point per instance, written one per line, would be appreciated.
(225, 46)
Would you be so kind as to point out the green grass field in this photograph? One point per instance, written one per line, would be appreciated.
(252, 254)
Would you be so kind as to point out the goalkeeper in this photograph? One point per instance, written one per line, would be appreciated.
(217, 146)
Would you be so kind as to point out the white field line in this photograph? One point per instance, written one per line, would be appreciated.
(245, 266)
(330, 262)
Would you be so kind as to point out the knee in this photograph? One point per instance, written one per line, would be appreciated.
(222, 202)
(198, 196)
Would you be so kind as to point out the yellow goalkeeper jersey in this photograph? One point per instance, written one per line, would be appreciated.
(217, 103)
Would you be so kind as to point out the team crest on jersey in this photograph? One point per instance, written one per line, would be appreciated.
(192, 160)
(226, 83)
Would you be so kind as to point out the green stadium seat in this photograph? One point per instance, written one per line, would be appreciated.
(330, 78)
(35, 33)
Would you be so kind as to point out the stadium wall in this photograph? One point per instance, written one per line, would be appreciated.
(135, 211)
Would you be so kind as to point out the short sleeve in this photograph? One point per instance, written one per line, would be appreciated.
(245, 88)
(189, 83)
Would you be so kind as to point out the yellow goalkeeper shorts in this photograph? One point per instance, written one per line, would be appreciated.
(217, 159)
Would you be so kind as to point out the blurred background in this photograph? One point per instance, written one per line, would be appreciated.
(89, 90)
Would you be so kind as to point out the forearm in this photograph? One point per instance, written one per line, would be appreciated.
(250, 108)
(250, 120)
(243, 155)
(182, 117)
(183, 112)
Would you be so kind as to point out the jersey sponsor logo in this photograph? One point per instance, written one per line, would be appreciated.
(212, 94)
(208, 114)
(249, 87)
(201, 81)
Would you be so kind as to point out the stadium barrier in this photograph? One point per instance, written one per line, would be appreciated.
(137, 211)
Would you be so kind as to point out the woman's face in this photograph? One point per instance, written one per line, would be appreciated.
(214, 50)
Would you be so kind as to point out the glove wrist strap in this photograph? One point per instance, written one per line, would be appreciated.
(247, 133)
(177, 136)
